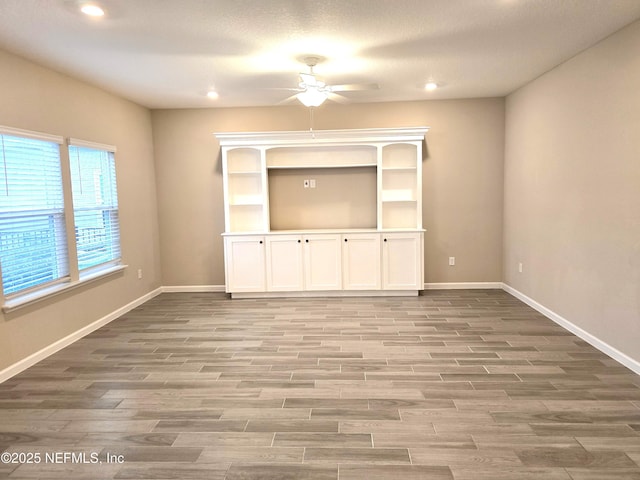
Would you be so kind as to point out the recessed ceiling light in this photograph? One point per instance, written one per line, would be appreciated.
(92, 10)
(212, 94)
(431, 86)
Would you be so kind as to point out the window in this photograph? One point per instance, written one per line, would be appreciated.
(95, 204)
(47, 245)
(33, 242)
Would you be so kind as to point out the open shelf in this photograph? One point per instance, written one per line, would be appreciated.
(398, 169)
(246, 218)
(245, 187)
(244, 160)
(399, 215)
(400, 156)
(248, 173)
(244, 200)
(400, 195)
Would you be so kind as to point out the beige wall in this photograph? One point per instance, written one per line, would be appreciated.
(342, 198)
(35, 98)
(572, 190)
(463, 180)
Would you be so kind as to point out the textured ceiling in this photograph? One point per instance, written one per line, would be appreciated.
(169, 53)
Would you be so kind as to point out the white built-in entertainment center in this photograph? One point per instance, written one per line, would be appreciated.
(325, 212)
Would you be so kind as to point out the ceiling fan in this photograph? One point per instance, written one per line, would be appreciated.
(312, 91)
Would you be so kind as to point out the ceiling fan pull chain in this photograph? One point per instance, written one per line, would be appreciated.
(311, 109)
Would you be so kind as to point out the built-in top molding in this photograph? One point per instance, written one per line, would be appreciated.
(320, 137)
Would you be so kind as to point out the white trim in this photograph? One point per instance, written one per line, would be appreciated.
(193, 288)
(76, 142)
(40, 355)
(314, 137)
(17, 132)
(22, 300)
(464, 286)
(300, 294)
(328, 231)
(604, 347)
(427, 286)
(327, 293)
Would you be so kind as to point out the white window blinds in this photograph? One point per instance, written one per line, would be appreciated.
(33, 247)
(95, 204)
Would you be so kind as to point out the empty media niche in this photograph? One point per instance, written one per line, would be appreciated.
(342, 198)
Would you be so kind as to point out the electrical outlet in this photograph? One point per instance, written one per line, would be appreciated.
(520, 267)
(139, 273)
(312, 183)
(305, 183)
(452, 261)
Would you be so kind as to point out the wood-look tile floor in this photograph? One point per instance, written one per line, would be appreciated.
(465, 385)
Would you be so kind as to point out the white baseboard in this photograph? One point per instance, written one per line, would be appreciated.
(604, 347)
(34, 358)
(193, 288)
(463, 286)
(427, 286)
(328, 293)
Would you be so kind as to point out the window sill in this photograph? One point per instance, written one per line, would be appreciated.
(20, 301)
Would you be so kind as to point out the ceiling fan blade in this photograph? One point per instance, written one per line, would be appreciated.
(337, 98)
(355, 86)
(288, 99)
(286, 89)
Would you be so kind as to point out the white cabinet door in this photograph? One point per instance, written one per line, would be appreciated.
(284, 263)
(361, 261)
(322, 262)
(245, 264)
(402, 261)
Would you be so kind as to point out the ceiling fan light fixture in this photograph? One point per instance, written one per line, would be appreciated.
(312, 97)
(92, 10)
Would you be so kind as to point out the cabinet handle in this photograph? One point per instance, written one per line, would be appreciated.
(346, 240)
(307, 240)
(260, 242)
(299, 241)
(385, 240)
